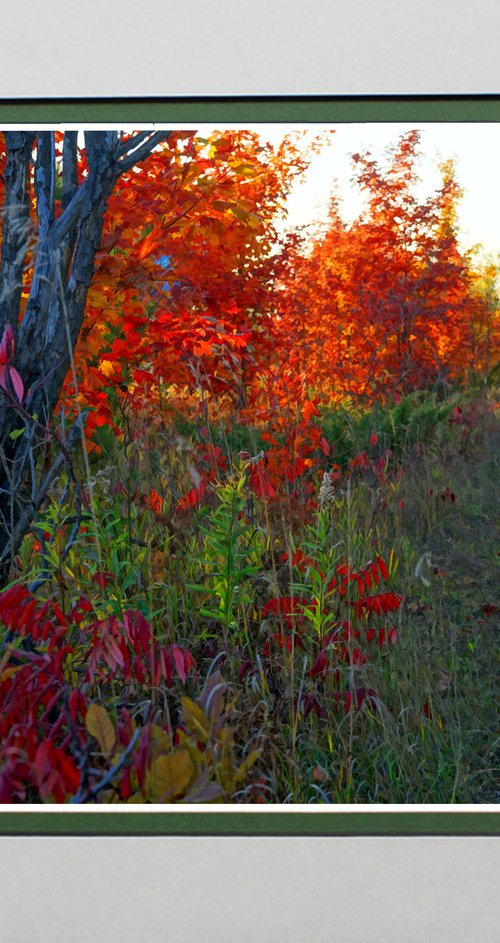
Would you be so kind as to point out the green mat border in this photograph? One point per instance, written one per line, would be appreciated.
(251, 110)
(241, 824)
(327, 109)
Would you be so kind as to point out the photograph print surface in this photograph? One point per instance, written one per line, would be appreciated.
(248, 427)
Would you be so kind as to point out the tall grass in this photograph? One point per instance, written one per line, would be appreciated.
(206, 577)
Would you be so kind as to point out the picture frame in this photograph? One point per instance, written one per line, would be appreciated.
(205, 822)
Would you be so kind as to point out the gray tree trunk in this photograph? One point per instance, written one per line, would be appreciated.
(65, 251)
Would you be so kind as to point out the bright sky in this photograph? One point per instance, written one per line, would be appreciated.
(474, 147)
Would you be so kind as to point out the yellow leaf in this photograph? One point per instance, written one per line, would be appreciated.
(169, 776)
(106, 367)
(195, 719)
(247, 765)
(225, 736)
(98, 299)
(199, 757)
(160, 741)
(99, 725)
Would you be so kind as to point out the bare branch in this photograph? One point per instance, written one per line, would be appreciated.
(130, 144)
(101, 150)
(144, 150)
(70, 167)
(100, 147)
(31, 507)
(86, 794)
(45, 181)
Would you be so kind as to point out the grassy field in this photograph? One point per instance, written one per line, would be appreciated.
(337, 647)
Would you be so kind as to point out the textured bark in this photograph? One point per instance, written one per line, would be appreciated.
(16, 225)
(66, 248)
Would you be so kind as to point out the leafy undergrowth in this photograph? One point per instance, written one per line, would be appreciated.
(302, 612)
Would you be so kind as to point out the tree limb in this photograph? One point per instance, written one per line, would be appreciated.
(16, 225)
(144, 150)
(128, 145)
(70, 167)
(45, 181)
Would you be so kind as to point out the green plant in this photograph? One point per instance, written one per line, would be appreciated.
(230, 556)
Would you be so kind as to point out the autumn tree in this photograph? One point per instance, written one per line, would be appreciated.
(181, 293)
(123, 282)
(389, 303)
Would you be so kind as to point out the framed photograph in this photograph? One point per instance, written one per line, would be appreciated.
(248, 442)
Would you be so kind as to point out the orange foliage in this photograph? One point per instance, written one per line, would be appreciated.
(197, 305)
(183, 278)
(385, 305)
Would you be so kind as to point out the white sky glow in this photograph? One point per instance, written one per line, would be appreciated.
(475, 149)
